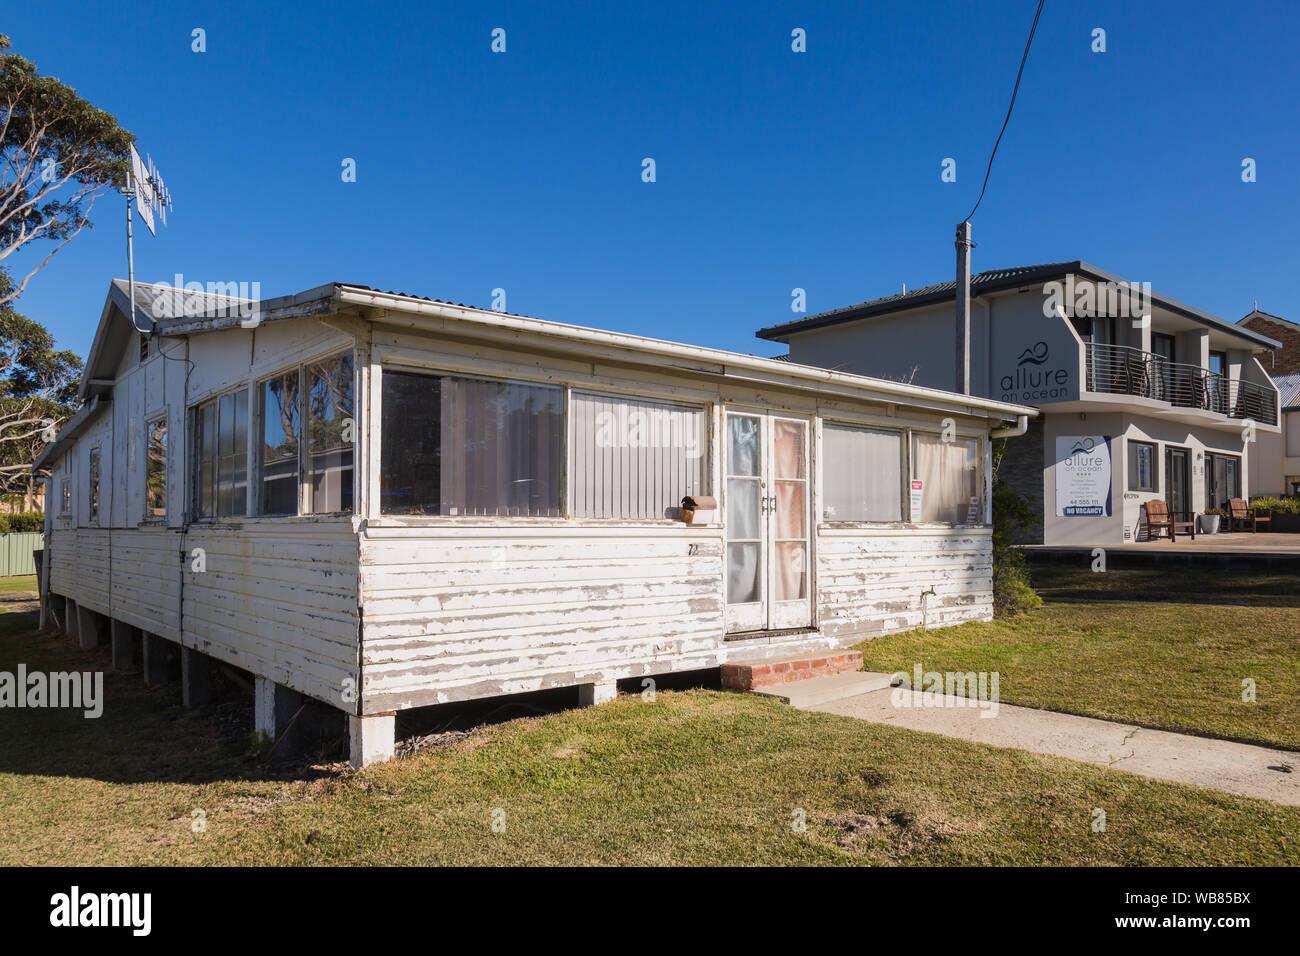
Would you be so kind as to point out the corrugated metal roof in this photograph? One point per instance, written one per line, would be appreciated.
(1288, 389)
(980, 281)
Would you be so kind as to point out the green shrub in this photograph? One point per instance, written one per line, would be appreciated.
(1284, 506)
(22, 521)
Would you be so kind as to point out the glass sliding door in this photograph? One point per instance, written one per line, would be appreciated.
(1178, 482)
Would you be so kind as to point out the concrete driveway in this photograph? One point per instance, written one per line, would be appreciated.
(1206, 762)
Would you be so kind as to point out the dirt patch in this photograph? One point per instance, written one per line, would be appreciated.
(414, 745)
(893, 836)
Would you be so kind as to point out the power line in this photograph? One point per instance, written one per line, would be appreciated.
(1014, 91)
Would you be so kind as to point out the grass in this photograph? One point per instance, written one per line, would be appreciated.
(1167, 649)
(19, 582)
(694, 777)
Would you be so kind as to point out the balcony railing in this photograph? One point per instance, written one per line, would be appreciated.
(1122, 370)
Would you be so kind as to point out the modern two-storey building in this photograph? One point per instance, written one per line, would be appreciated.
(1142, 396)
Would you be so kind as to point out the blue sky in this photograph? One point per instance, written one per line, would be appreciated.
(775, 169)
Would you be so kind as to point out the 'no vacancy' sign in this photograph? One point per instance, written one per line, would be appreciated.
(1082, 475)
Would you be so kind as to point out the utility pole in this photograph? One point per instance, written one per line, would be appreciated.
(963, 307)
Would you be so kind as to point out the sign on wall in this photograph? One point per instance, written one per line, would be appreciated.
(917, 496)
(1082, 475)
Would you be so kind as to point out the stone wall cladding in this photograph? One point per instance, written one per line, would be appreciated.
(1022, 470)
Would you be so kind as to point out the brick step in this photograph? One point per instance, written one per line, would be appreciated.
(750, 675)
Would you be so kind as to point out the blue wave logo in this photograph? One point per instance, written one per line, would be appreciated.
(1034, 356)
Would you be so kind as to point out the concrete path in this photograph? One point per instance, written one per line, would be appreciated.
(1203, 761)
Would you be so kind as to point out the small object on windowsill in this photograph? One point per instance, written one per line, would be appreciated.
(698, 509)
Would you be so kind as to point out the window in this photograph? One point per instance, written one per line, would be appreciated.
(862, 474)
(633, 458)
(221, 456)
(949, 472)
(94, 485)
(280, 433)
(155, 470)
(330, 425)
(1141, 466)
(67, 496)
(457, 446)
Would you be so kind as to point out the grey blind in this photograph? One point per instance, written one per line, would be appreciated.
(633, 458)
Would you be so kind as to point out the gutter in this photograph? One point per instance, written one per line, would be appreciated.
(1012, 431)
(723, 363)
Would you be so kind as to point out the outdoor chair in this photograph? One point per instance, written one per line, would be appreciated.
(1159, 516)
(1240, 516)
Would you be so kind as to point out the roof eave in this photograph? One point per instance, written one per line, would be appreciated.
(779, 333)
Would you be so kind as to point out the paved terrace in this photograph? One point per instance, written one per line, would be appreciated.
(1237, 550)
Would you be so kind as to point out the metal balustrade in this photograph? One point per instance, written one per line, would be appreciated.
(1123, 370)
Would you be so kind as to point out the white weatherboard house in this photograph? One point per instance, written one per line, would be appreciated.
(384, 502)
(1142, 396)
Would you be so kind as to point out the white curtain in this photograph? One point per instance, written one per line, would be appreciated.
(862, 476)
(949, 471)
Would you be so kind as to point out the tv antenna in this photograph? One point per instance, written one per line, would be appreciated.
(145, 186)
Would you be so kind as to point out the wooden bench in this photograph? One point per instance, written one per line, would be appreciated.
(1159, 516)
(1240, 515)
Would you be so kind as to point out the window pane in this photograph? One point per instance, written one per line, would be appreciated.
(205, 480)
(456, 446)
(742, 445)
(863, 474)
(950, 472)
(788, 449)
(240, 468)
(744, 567)
(634, 459)
(330, 451)
(280, 445)
(226, 425)
(743, 511)
(156, 470)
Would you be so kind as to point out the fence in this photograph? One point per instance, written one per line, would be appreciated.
(16, 549)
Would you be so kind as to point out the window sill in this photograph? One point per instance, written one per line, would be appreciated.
(500, 521)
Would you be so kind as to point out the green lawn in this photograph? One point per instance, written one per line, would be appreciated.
(694, 777)
(19, 582)
(1166, 649)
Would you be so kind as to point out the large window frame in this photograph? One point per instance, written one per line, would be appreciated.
(93, 468)
(1135, 447)
(155, 500)
(561, 503)
(223, 403)
(301, 377)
